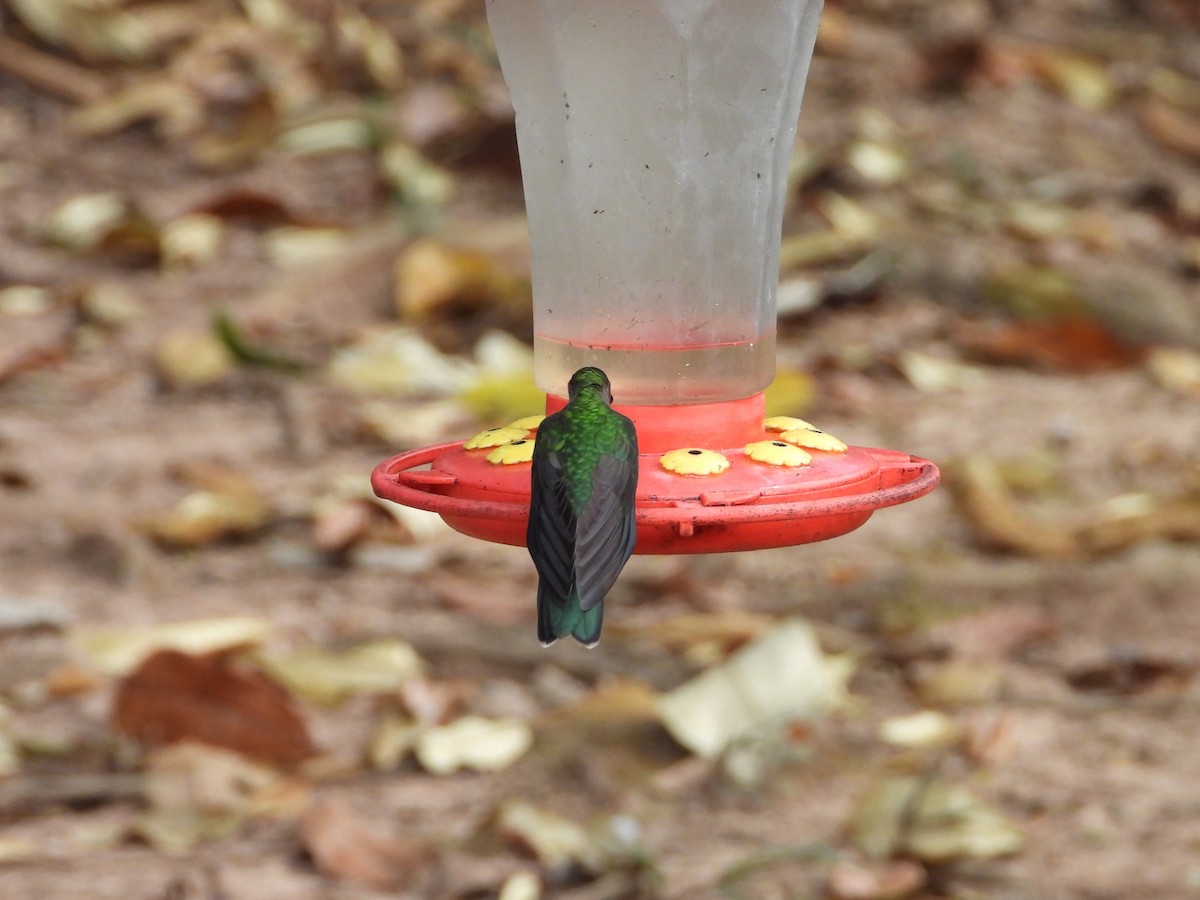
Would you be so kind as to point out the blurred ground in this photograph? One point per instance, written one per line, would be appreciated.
(992, 259)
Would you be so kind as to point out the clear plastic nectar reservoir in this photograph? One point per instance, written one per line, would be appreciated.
(654, 139)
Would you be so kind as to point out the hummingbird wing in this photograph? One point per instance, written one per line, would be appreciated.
(550, 535)
(605, 532)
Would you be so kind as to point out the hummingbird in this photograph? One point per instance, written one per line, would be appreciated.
(581, 508)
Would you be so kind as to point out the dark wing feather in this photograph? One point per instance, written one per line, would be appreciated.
(606, 533)
(550, 534)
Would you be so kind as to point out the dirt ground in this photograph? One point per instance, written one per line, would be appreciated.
(1034, 140)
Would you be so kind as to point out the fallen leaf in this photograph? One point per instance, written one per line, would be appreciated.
(499, 601)
(345, 847)
(193, 359)
(110, 305)
(421, 185)
(878, 163)
(1175, 368)
(957, 681)
(935, 374)
(206, 517)
(473, 742)
(247, 351)
(291, 246)
(25, 300)
(1172, 128)
(175, 832)
(434, 702)
(791, 393)
(69, 680)
(10, 756)
(1175, 88)
(103, 222)
(191, 241)
(339, 525)
(1131, 519)
(209, 781)
(927, 728)
(173, 697)
(1037, 220)
(930, 819)
(117, 651)
(326, 135)
(556, 842)
(1035, 292)
(330, 676)
(499, 398)
(399, 361)
(435, 280)
(15, 850)
(781, 677)
(729, 630)
(1070, 344)
(521, 886)
(991, 634)
(998, 519)
(1084, 81)
(1132, 673)
(392, 741)
(893, 880)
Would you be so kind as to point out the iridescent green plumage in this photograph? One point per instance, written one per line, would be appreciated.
(581, 513)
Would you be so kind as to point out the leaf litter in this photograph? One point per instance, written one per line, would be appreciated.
(229, 90)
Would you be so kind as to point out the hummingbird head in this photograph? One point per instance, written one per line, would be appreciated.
(590, 377)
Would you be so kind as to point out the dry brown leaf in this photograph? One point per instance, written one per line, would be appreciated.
(999, 520)
(1133, 519)
(340, 525)
(957, 681)
(931, 820)
(117, 650)
(1134, 673)
(781, 677)
(879, 881)
(330, 676)
(435, 280)
(227, 504)
(103, 223)
(192, 359)
(500, 601)
(1084, 81)
(1172, 128)
(173, 697)
(927, 728)
(475, 743)
(992, 634)
(434, 702)
(724, 631)
(207, 779)
(1070, 344)
(556, 842)
(344, 846)
(1176, 368)
(206, 517)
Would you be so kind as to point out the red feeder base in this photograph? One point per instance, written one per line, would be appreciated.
(751, 505)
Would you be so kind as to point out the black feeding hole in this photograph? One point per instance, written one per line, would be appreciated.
(518, 443)
(778, 444)
(695, 452)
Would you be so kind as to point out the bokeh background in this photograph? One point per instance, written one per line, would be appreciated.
(250, 249)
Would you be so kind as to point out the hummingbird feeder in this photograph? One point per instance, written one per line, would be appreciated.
(654, 140)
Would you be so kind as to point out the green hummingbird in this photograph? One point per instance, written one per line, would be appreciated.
(581, 508)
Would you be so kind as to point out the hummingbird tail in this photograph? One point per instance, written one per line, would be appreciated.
(557, 620)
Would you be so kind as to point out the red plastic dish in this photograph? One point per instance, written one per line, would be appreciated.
(749, 506)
